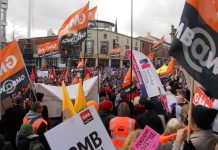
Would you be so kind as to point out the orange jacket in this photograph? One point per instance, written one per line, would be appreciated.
(36, 124)
(120, 128)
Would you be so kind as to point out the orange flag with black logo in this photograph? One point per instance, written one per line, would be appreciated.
(92, 13)
(13, 75)
(48, 49)
(74, 29)
(195, 45)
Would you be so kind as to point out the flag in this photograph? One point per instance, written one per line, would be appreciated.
(68, 109)
(170, 67)
(52, 74)
(195, 45)
(148, 80)
(92, 13)
(48, 49)
(80, 101)
(75, 80)
(74, 29)
(13, 74)
(150, 56)
(127, 79)
(158, 43)
(115, 52)
(81, 63)
(161, 69)
(66, 76)
(32, 76)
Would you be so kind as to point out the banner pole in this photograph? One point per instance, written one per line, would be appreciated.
(34, 94)
(131, 49)
(98, 59)
(190, 108)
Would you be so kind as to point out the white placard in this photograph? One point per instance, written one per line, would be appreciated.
(62, 65)
(83, 131)
(42, 73)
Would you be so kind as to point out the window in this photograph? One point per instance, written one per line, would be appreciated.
(89, 35)
(127, 41)
(127, 47)
(136, 48)
(117, 39)
(90, 47)
(105, 36)
(136, 43)
(104, 47)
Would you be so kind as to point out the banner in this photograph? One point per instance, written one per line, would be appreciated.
(42, 74)
(48, 49)
(115, 52)
(196, 43)
(62, 65)
(13, 74)
(147, 140)
(148, 80)
(200, 98)
(83, 131)
(92, 13)
(74, 29)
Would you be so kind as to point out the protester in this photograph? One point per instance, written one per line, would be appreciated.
(27, 139)
(172, 126)
(5, 145)
(39, 97)
(149, 118)
(139, 106)
(202, 137)
(34, 117)
(124, 98)
(131, 139)
(13, 120)
(121, 125)
(105, 113)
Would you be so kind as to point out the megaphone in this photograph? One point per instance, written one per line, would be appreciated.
(164, 139)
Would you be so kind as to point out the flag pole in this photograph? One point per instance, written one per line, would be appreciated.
(28, 76)
(190, 108)
(98, 58)
(131, 48)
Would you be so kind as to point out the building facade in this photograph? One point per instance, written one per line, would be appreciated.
(3, 22)
(96, 48)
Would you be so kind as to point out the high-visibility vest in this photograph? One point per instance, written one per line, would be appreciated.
(35, 124)
(120, 128)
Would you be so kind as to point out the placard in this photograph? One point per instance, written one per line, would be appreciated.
(200, 98)
(83, 131)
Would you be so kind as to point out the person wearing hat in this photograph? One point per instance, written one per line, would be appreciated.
(34, 117)
(202, 137)
(105, 113)
(27, 139)
(149, 118)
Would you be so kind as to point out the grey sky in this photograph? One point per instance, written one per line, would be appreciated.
(154, 16)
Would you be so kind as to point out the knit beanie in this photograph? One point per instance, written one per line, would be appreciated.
(26, 130)
(203, 116)
(107, 105)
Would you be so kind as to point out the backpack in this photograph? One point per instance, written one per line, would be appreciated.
(35, 144)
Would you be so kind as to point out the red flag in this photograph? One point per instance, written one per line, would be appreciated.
(75, 80)
(52, 74)
(67, 76)
(32, 76)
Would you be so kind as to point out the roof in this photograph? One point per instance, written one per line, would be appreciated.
(102, 21)
(151, 39)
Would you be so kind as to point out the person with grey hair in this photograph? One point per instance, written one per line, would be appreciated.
(121, 126)
(13, 119)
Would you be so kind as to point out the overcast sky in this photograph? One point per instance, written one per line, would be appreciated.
(154, 16)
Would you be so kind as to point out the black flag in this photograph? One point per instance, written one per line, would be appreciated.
(196, 42)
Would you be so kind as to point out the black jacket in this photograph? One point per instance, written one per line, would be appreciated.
(13, 119)
(150, 119)
(106, 116)
(5, 145)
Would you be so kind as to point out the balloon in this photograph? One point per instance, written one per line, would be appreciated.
(93, 103)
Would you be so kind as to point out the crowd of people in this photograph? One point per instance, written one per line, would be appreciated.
(123, 113)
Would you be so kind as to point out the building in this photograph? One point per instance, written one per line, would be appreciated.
(160, 54)
(101, 39)
(3, 22)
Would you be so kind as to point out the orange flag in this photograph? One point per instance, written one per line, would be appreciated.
(150, 56)
(127, 80)
(170, 67)
(92, 13)
(75, 80)
(158, 43)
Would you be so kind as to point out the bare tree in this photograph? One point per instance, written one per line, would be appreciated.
(15, 32)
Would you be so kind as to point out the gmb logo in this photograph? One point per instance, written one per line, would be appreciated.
(198, 48)
(9, 86)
